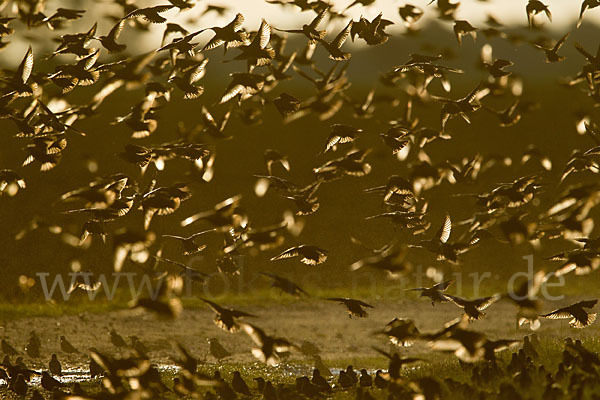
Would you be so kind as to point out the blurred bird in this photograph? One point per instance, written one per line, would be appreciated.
(66, 346)
(55, 366)
(225, 318)
(535, 7)
(309, 255)
(116, 339)
(269, 349)
(463, 28)
(217, 350)
(188, 244)
(552, 52)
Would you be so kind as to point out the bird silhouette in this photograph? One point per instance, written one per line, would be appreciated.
(217, 350)
(435, 292)
(334, 47)
(353, 306)
(225, 318)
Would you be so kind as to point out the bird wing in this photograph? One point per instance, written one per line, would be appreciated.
(195, 235)
(445, 230)
(457, 300)
(166, 260)
(362, 303)
(237, 22)
(257, 335)
(26, 66)
(174, 237)
(560, 42)
(560, 313)
(232, 92)
(198, 72)
(443, 285)
(317, 20)
(342, 36)
(238, 314)
(207, 117)
(340, 299)
(264, 34)
(584, 52)
(588, 303)
(484, 302)
(116, 30)
(417, 289)
(289, 253)
(214, 306)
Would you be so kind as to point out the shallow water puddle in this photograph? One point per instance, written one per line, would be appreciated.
(76, 374)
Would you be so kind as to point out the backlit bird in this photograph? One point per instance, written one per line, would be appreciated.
(189, 244)
(473, 308)
(334, 47)
(576, 313)
(401, 332)
(225, 318)
(259, 52)
(230, 35)
(151, 14)
(310, 30)
(309, 255)
(268, 349)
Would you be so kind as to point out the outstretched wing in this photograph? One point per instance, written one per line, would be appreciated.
(26, 66)
(445, 230)
(264, 34)
(342, 36)
(289, 253)
(560, 42)
(257, 335)
(442, 286)
(318, 19)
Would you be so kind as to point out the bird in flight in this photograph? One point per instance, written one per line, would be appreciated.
(225, 318)
(576, 314)
(435, 292)
(309, 255)
(353, 306)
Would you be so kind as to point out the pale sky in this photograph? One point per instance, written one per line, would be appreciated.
(564, 12)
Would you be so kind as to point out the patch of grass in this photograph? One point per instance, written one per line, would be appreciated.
(10, 311)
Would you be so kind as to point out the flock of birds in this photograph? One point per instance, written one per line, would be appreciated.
(39, 105)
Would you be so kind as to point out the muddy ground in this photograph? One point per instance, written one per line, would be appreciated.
(322, 323)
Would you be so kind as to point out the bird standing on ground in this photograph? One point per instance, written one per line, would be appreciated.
(54, 365)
